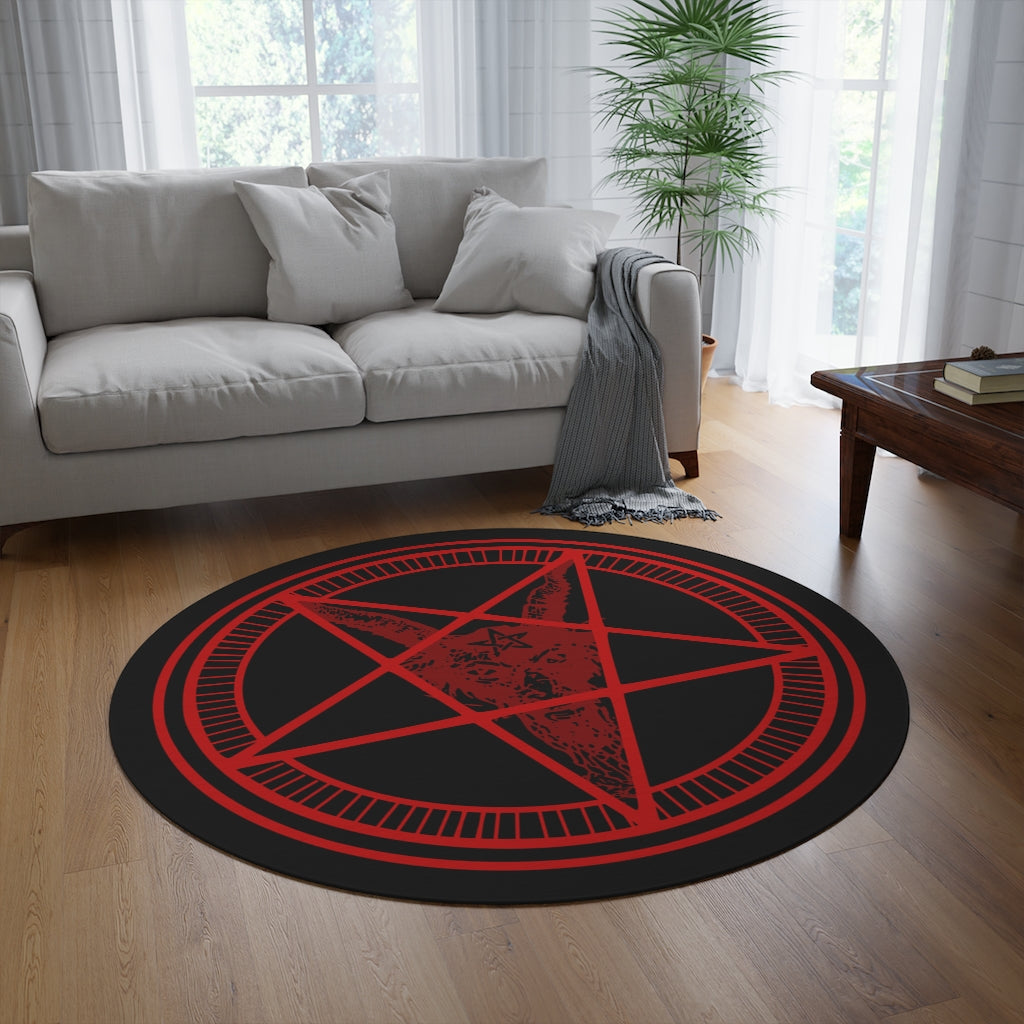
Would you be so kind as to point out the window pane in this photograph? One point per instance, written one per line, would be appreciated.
(886, 141)
(862, 43)
(853, 128)
(246, 42)
(365, 41)
(353, 127)
(839, 279)
(237, 131)
(846, 283)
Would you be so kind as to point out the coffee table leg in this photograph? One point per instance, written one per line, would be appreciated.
(856, 459)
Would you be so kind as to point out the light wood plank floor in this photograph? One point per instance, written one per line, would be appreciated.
(910, 910)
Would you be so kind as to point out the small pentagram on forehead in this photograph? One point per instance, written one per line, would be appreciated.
(499, 641)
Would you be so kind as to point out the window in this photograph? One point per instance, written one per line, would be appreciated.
(873, 187)
(845, 274)
(296, 81)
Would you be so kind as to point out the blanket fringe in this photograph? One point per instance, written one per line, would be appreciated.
(603, 509)
(624, 515)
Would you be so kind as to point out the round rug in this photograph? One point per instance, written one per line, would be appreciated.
(509, 716)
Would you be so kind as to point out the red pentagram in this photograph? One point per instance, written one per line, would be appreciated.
(535, 667)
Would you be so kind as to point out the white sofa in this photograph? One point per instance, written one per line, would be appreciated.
(139, 368)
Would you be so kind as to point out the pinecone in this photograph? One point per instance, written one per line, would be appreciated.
(982, 352)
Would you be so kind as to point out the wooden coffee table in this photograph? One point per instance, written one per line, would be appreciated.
(895, 407)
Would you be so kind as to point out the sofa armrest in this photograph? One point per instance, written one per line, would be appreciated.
(669, 304)
(15, 249)
(22, 349)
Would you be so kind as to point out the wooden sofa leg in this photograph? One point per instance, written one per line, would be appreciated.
(689, 461)
(6, 532)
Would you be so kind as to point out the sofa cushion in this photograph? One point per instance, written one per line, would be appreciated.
(420, 362)
(428, 203)
(113, 247)
(540, 258)
(130, 385)
(333, 256)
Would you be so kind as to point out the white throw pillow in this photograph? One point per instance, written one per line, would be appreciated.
(333, 256)
(537, 258)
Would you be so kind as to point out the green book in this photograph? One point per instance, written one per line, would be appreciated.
(987, 375)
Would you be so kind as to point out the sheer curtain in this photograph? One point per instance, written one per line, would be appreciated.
(91, 84)
(775, 315)
(976, 45)
(499, 79)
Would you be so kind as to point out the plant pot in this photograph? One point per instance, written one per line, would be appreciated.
(707, 357)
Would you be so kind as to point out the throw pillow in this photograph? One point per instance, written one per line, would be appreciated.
(333, 256)
(537, 258)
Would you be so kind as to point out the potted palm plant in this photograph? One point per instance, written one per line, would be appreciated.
(686, 101)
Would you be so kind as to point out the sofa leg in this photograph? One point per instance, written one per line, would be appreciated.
(689, 461)
(8, 531)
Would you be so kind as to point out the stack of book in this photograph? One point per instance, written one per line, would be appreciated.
(983, 381)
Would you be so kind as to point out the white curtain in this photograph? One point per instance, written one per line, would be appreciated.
(91, 84)
(973, 59)
(773, 314)
(500, 78)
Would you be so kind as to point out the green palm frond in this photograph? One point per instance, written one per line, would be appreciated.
(688, 107)
(744, 29)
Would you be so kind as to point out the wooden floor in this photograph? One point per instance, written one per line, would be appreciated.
(911, 910)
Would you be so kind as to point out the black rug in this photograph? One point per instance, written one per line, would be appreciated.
(509, 716)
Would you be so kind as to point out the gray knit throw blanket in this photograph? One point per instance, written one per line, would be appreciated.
(611, 463)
